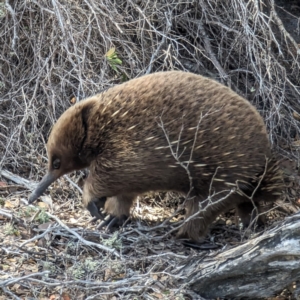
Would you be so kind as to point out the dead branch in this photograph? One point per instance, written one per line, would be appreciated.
(261, 267)
(18, 179)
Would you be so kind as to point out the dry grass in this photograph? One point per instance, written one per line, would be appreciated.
(53, 51)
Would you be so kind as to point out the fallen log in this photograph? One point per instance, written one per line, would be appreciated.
(262, 267)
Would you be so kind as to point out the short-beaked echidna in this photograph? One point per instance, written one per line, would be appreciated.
(168, 131)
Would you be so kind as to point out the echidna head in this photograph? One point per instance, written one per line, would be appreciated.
(65, 147)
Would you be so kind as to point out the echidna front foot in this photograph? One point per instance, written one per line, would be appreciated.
(118, 210)
(95, 206)
(111, 221)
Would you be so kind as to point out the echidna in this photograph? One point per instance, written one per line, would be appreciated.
(168, 131)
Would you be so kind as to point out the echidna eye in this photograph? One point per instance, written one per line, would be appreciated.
(56, 163)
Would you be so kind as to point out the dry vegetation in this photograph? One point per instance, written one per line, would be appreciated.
(53, 53)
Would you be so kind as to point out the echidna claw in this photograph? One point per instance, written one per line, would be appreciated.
(202, 246)
(94, 211)
(111, 221)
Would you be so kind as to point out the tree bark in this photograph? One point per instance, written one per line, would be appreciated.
(261, 267)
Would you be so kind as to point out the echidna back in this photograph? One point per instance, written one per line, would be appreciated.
(152, 125)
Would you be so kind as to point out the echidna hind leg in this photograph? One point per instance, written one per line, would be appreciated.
(251, 213)
(195, 226)
(201, 211)
(268, 191)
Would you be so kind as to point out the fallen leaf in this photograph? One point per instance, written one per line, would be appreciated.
(154, 277)
(296, 143)
(42, 205)
(65, 296)
(73, 100)
(9, 204)
(47, 200)
(73, 221)
(4, 267)
(159, 296)
(107, 274)
(45, 226)
(296, 116)
(110, 51)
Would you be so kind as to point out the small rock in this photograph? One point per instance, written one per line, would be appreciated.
(228, 222)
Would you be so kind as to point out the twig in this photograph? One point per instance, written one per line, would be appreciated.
(18, 279)
(15, 37)
(82, 240)
(39, 236)
(73, 183)
(6, 214)
(281, 27)
(18, 179)
(210, 51)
